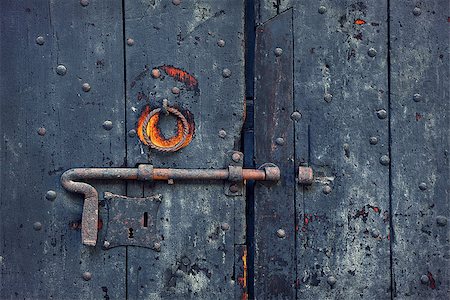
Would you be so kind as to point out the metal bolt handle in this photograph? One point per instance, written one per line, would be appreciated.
(72, 179)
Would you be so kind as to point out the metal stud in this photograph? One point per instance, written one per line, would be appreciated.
(37, 226)
(382, 114)
(322, 9)
(281, 233)
(226, 73)
(40, 40)
(86, 87)
(234, 188)
(373, 140)
(221, 43)
(222, 133)
(225, 226)
(108, 125)
(328, 97)
(106, 244)
(384, 160)
(132, 133)
(87, 276)
(327, 189)
(278, 52)
(424, 279)
(279, 141)
(176, 2)
(41, 131)
(331, 280)
(84, 2)
(423, 186)
(236, 157)
(175, 90)
(130, 41)
(441, 220)
(417, 11)
(372, 52)
(61, 70)
(157, 246)
(156, 73)
(50, 195)
(296, 116)
(417, 97)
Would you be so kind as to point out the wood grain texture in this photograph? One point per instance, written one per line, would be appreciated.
(420, 147)
(50, 262)
(343, 218)
(197, 257)
(267, 9)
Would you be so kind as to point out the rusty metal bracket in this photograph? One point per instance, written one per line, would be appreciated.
(305, 175)
(73, 181)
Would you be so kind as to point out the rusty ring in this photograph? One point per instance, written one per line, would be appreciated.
(179, 115)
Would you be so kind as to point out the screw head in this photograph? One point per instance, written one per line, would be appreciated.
(417, 97)
(130, 41)
(37, 226)
(373, 140)
(281, 233)
(106, 244)
(417, 11)
(331, 280)
(221, 43)
(86, 87)
(87, 276)
(40, 40)
(226, 73)
(423, 186)
(175, 90)
(132, 133)
(385, 160)
(234, 188)
(41, 131)
(236, 157)
(296, 116)
(84, 2)
(372, 52)
(157, 246)
(107, 125)
(322, 9)
(279, 141)
(222, 133)
(61, 70)
(176, 2)
(156, 73)
(328, 97)
(382, 114)
(441, 220)
(424, 279)
(278, 52)
(50, 195)
(327, 189)
(225, 226)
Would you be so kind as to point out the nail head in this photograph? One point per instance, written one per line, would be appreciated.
(384, 160)
(226, 73)
(42, 131)
(278, 52)
(423, 186)
(327, 189)
(40, 40)
(372, 52)
(279, 141)
(108, 125)
(156, 73)
(382, 114)
(222, 133)
(50, 195)
(221, 43)
(61, 70)
(328, 97)
(87, 276)
(322, 9)
(86, 87)
(37, 226)
(130, 41)
(296, 116)
(281, 233)
(373, 140)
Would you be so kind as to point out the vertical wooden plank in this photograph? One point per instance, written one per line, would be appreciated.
(201, 228)
(274, 142)
(420, 145)
(267, 9)
(341, 87)
(50, 124)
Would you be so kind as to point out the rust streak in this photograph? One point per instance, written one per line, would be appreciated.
(181, 76)
(360, 22)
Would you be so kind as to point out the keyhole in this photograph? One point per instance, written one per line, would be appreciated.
(130, 233)
(146, 219)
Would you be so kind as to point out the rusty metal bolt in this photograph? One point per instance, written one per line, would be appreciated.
(327, 189)
(221, 43)
(417, 97)
(108, 125)
(87, 276)
(61, 70)
(156, 73)
(305, 175)
(50, 195)
(86, 87)
(322, 9)
(328, 97)
(132, 133)
(281, 233)
(41, 131)
(382, 114)
(226, 73)
(106, 244)
(225, 226)
(423, 186)
(37, 226)
(176, 2)
(296, 116)
(236, 157)
(384, 160)
(278, 52)
(175, 90)
(417, 11)
(441, 220)
(84, 2)
(424, 279)
(234, 188)
(222, 133)
(157, 246)
(130, 41)
(40, 40)
(331, 280)
(279, 141)
(372, 52)
(373, 140)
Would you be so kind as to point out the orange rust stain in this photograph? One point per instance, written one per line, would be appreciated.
(139, 130)
(243, 280)
(181, 76)
(360, 22)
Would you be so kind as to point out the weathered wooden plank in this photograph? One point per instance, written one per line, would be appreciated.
(420, 146)
(267, 9)
(340, 85)
(49, 124)
(274, 142)
(200, 225)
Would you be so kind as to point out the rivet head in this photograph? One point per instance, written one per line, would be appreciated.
(375, 233)
(327, 189)
(87, 276)
(423, 186)
(372, 52)
(236, 157)
(84, 2)
(222, 133)
(322, 9)
(40, 40)
(175, 90)
(225, 226)
(234, 188)
(130, 41)
(86, 87)
(441, 220)
(61, 70)
(279, 141)
(278, 52)
(108, 125)
(41, 131)
(424, 279)
(221, 43)
(176, 2)
(106, 244)
(157, 246)
(281, 233)
(37, 226)
(373, 140)
(331, 280)
(417, 11)
(132, 133)
(50, 195)
(381, 114)
(296, 116)
(156, 73)
(226, 73)
(185, 261)
(384, 160)
(328, 97)
(417, 97)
